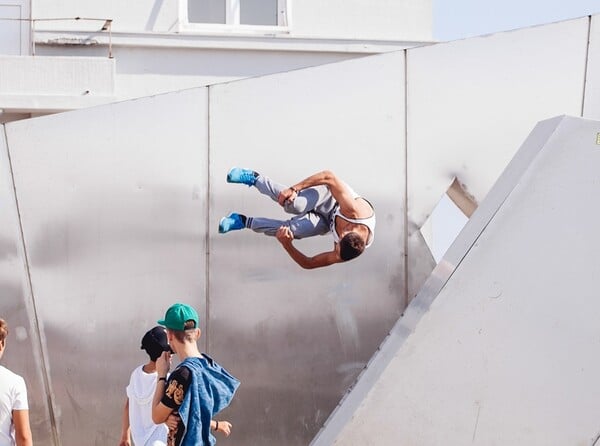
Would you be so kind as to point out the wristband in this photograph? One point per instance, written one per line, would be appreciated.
(217, 426)
(163, 378)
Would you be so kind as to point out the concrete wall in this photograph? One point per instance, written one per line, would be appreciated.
(309, 332)
(471, 103)
(592, 91)
(15, 36)
(61, 82)
(355, 19)
(500, 345)
(25, 350)
(144, 71)
(119, 219)
(118, 238)
(381, 19)
(143, 15)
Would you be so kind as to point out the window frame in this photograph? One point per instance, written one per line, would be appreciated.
(232, 23)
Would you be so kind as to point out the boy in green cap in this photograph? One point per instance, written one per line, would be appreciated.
(198, 388)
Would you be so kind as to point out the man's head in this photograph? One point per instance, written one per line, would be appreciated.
(181, 322)
(351, 246)
(155, 343)
(3, 335)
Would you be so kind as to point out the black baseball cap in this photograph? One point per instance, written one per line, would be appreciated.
(155, 343)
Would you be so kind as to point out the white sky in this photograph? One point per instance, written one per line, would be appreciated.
(457, 19)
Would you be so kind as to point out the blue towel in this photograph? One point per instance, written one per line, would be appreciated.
(211, 389)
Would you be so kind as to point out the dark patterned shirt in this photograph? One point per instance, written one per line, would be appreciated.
(175, 389)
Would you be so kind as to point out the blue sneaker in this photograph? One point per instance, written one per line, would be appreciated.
(243, 176)
(232, 222)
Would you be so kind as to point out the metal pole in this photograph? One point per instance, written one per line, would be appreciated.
(32, 37)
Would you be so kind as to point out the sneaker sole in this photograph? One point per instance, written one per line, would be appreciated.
(221, 229)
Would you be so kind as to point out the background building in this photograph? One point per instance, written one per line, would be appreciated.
(101, 52)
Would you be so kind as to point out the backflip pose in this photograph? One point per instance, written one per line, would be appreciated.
(320, 203)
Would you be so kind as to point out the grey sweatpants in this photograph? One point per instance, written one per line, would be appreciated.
(312, 209)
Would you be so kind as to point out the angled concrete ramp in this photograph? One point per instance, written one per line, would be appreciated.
(502, 345)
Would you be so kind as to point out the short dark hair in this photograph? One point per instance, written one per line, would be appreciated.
(351, 246)
(3, 330)
(186, 333)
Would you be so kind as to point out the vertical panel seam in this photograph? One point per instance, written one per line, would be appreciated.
(585, 68)
(405, 232)
(36, 324)
(207, 226)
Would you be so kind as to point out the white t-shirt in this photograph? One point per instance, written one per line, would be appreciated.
(13, 396)
(140, 392)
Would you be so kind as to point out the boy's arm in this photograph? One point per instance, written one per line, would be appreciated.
(125, 429)
(22, 427)
(160, 412)
(221, 426)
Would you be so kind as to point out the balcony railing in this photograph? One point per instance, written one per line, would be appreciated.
(106, 27)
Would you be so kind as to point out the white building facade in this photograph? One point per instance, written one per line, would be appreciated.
(57, 56)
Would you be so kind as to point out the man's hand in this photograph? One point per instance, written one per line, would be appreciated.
(125, 442)
(284, 235)
(163, 364)
(224, 427)
(173, 421)
(286, 195)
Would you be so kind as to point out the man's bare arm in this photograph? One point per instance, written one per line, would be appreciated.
(285, 237)
(348, 205)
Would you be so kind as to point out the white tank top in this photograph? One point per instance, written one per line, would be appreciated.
(369, 222)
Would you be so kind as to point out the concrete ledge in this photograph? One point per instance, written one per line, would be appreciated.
(36, 83)
(267, 42)
(49, 103)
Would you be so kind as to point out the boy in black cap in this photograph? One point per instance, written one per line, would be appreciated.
(137, 414)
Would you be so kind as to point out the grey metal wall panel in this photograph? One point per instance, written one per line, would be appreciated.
(299, 338)
(164, 70)
(592, 81)
(471, 102)
(500, 345)
(23, 355)
(113, 207)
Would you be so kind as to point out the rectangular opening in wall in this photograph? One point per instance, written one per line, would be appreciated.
(448, 219)
(207, 11)
(258, 12)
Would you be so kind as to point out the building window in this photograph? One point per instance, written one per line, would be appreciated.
(206, 11)
(235, 15)
(258, 12)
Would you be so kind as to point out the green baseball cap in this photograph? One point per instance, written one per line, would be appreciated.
(177, 315)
